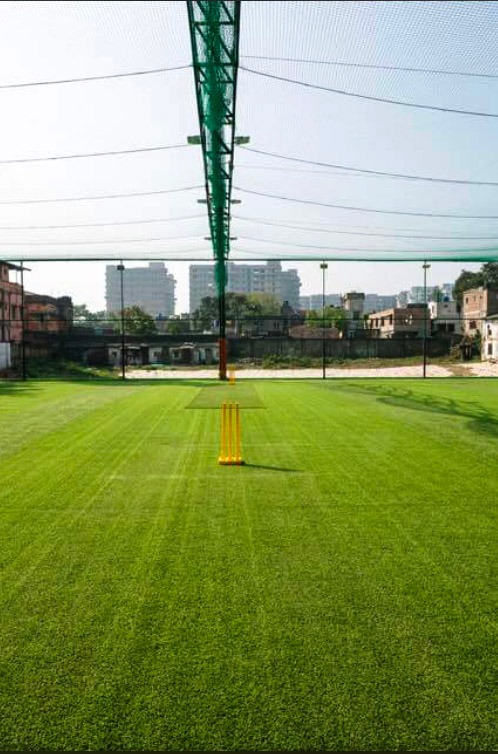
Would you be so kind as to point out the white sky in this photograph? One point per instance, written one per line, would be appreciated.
(58, 40)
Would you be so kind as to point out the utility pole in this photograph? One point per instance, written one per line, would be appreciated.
(23, 336)
(123, 341)
(425, 267)
(323, 267)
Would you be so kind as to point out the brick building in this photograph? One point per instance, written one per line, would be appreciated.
(47, 314)
(406, 322)
(477, 305)
(10, 305)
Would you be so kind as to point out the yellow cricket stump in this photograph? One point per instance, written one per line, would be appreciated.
(231, 376)
(230, 447)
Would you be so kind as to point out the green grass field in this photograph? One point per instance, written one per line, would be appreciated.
(338, 592)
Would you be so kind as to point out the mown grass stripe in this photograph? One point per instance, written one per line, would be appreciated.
(337, 593)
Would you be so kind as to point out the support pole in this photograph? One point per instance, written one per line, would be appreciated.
(222, 372)
(214, 34)
(425, 267)
(323, 267)
(123, 338)
(23, 336)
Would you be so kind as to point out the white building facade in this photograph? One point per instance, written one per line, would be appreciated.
(445, 317)
(152, 288)
(489, 344)
(245, 278)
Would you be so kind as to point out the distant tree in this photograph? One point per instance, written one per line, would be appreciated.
(137, 321)
(81, 311)
(206, 314)
(177, 326)
(464, 282)
(269, 304)
(82, 315)
(489, 272)
(487, 276)
(238, 306)
(333, 316)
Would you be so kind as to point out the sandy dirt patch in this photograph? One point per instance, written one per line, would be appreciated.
(203, 374)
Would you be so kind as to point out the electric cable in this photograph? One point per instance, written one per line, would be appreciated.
(342, 63)
(52, 158)
(103, 196)
(407, 176)
(84, 79)
(385, 100)
(103, 224)
(411, 236)
(365, 209)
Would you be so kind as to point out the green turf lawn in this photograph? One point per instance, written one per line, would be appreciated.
(338, 592)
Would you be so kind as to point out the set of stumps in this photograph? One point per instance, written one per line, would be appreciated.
(230, 437)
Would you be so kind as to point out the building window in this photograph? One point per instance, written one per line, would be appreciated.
(490, 349)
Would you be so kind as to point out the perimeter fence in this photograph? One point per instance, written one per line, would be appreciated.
(41, 346)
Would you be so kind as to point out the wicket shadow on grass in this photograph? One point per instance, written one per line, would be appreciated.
(269, 468)
(481, 420)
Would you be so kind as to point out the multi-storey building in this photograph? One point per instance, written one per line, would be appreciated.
(291, 285)
(409, 321)
(152, 288)
(314, 301)
(376, 302)
(447, 291)
(47, 314)
(373, 302)
(445, 317)
(246, 278)
(477, 305)
(353, 304)
(419, 295)
(10, 306)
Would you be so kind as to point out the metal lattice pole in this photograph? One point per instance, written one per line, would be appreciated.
(214, 32)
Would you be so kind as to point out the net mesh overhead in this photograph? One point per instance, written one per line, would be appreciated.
(362, 142)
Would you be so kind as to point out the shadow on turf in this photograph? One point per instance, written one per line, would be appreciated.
(13, 387)
(481, 421)
(268, 468)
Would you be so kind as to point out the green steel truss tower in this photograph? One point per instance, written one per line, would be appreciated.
(214, 32)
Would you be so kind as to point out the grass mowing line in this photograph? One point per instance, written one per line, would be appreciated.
(125, 636)
(216, 611)
(72, 517)
(56, 412)
(355, 476)
(103, 691)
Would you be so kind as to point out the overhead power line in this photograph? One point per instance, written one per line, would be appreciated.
(84, 79)
(369, 97)
(104, 224)
(344, 64)
(93, 154)
(409, 236)
(103, 196)
(382, 173)
(342, 248)
(364, 209)
(99, 242)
